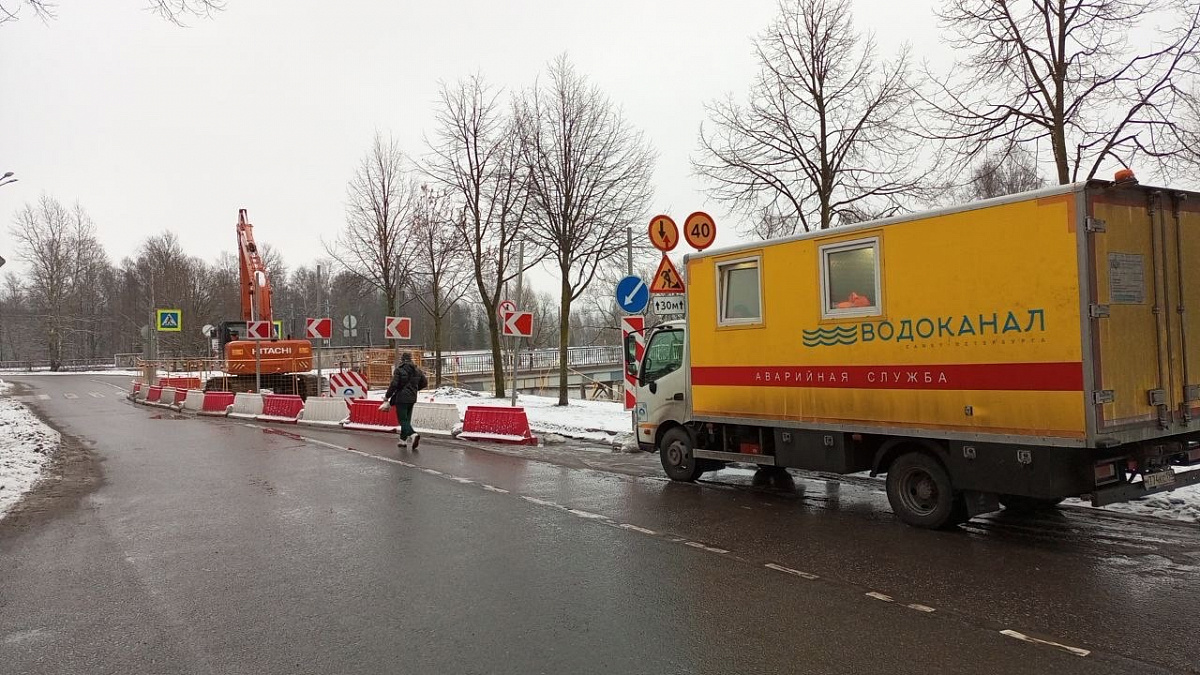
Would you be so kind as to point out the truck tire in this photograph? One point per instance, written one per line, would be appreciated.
(921, 494)
(1019, 504)
(675, 452)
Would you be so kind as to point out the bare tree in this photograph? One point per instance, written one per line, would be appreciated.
(589, 177)
(64, 257)
(374, 245)
(1064, 74)
(1003, 173)
(171, 10)
(825, 131)
(475, 153)
(440, 263)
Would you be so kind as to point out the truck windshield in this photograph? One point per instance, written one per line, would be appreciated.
(664, 355)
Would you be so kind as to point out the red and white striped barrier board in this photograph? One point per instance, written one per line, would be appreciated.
(348, 384)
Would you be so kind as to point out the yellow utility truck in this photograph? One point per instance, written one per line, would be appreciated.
(1011, 352)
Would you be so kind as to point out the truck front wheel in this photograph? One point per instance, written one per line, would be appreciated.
(675, 451)
(920, 492)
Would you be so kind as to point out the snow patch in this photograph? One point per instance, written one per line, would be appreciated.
(26, 446)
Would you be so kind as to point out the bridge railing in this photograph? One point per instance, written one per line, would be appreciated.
(541, 359)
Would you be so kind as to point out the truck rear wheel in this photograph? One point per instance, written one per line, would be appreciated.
(1019, 504)
(675, 452)
(920, 492)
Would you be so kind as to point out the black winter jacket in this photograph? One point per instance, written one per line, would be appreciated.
(407, 380)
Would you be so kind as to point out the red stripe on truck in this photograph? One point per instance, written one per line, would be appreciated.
(972, 377)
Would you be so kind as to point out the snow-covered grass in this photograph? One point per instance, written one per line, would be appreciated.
(26, 445)
(39, 373)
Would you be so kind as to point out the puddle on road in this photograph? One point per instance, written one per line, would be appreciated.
(169, 416)
(285, 434)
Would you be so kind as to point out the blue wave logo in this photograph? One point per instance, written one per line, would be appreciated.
(828, 337)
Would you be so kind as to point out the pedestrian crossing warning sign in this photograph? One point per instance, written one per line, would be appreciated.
(170, 320)
(666, 279)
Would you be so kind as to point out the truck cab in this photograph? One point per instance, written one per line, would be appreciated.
(662, 384)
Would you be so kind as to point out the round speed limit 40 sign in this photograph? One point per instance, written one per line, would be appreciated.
(699, 230)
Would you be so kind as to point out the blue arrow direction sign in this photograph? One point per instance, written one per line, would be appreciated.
(633, 294)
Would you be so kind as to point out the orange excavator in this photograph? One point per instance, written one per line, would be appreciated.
(282, 365)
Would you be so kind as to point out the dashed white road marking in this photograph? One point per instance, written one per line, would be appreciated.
(587, 514)
(95, 394)
(70, 396)
(433, 472)
(43, 397)
(635, 528)
(704, 547)
(921, 608)
(879, 596)
(1021, 636)
(796, 573)
(539, 502)
(493, 488)
(457, 479)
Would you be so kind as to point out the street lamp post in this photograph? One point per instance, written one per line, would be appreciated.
(7, 178)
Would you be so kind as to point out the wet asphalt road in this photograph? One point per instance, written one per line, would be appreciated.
(216, 546)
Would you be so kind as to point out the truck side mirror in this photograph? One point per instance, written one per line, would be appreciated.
(654, 387)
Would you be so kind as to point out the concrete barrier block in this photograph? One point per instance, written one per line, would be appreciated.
(246, 406)
(324, 412)
(435, 418)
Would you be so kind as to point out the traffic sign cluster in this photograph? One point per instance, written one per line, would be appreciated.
(633, 293)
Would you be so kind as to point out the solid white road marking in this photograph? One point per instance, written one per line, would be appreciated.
(635, 528)
(1021, 636)
(788, 570)
(879, 596)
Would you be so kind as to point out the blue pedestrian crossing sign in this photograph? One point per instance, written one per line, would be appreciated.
(170, 320)
(633, 294)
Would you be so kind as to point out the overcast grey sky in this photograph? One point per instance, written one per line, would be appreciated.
(269, 105)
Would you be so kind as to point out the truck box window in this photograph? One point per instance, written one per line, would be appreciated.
(740, 294)
(850, 278)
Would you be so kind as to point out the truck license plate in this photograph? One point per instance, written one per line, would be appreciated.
(1159, 479)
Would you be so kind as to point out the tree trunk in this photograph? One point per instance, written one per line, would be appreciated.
(497, 355)
(564, 339)
(437, 338)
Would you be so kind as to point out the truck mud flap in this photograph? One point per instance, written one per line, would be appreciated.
(1126, 491)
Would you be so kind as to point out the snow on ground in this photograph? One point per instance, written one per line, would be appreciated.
(26, 445)
(599, 421)
(25, 373)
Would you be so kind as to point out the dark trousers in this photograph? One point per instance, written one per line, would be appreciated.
(404, 417)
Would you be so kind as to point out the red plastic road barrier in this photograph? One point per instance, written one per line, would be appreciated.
(216, 402)
(281, 408)
(153, 394)
(365, 414)
(493, 423)
(180, 382)
(137, 386)
(181, 395)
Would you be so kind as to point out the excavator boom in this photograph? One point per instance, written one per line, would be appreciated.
(256, 287)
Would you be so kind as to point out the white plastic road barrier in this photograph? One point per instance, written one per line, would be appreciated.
(195, 399)
(168, 397)
(435, 418)
(141, 394)
(246, 406)
(324, 412)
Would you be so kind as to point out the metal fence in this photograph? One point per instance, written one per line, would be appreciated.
(541, 359)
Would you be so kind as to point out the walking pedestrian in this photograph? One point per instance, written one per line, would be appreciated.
(407, 380)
